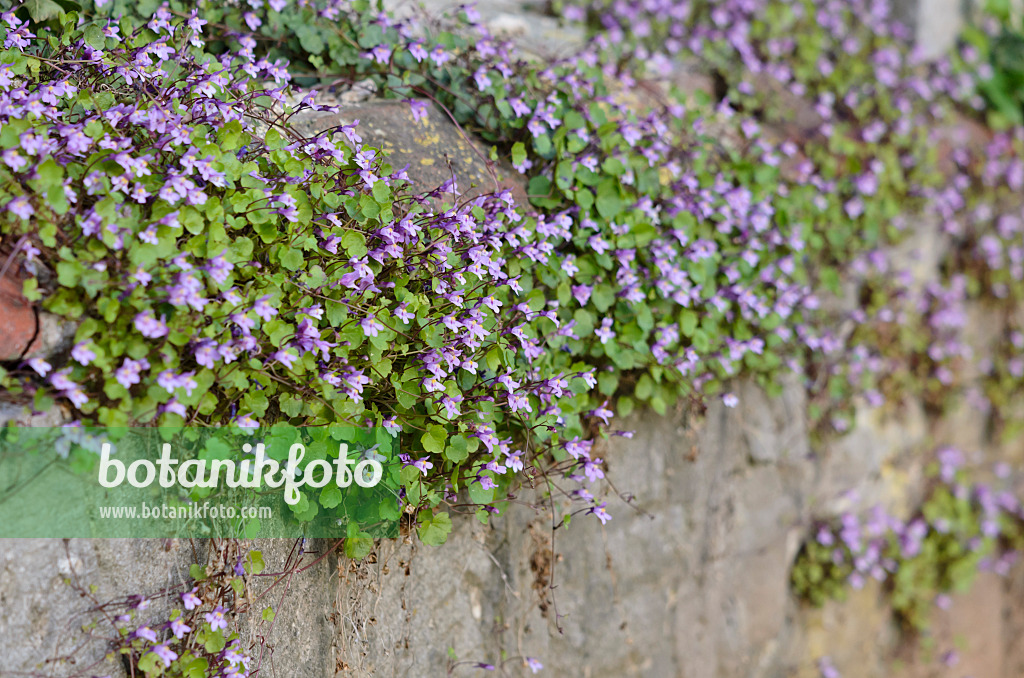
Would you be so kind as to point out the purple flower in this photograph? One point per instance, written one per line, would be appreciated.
(827, 669)
(730, 400)
(402, 314)
(381, 54)
(423, 465)
(592, 469)
(207, 353)
(605, 332)
(219, 268)
(13, 159)
(601, 513)
(166, 654)
(417, 51)
(284, 357)
(145, 633)
(41, 367)
(263, 308)
(216, 618)
(439, 56)
(418, 108)
(148, 326)
(191, 600)
(371, 327)
(179, 628)
(602, 413)
(533, 664)
(130, 371)
(174, 407)
(21, 207)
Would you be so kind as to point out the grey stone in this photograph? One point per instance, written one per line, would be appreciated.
(535, 32)
(937, 25)
(434, 148)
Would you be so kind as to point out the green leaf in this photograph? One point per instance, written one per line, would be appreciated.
(433, 440)
(198, 668)
(42, 10)
(608, 202)
(291, 259)
(215, 642)
(309, 38)
(330, 496)
(458, 449)
(518, 153)
(150, 664)
(94, 36)
(434, 529)
(255, 564)
(354, 244)
(644, 387)
(687, 322)
(358, 548)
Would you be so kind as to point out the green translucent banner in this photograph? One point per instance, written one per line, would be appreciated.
(282, 481)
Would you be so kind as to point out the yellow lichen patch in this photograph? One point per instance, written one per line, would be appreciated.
(428, 139)
(429, 162)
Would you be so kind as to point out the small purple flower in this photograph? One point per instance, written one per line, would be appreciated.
(417, 51)
(827, 669)
(41, 367)
(601, 512)
(603, 413)
(13, 159)
(21, 207)
(533, 664)
(179, 628)
(174, 407)
(381, 54)
(216, 618)
(130, 371)
(191, 600)
(730, 400)
(148, 326)
(207, 353)
(219, 268)
(402, 314)
(605, 333)
(284, 357)
(263, 308)
(439, 56)
(371, 327)
(145, 633)
(418, 109)
(166, 654)
(423, 465)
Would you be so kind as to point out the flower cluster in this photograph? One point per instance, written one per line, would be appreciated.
(194, 638)
(961, 527)
(226, 268)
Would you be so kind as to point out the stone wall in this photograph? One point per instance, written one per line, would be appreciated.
(689, 580)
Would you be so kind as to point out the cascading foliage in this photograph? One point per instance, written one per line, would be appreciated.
(223, 268)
